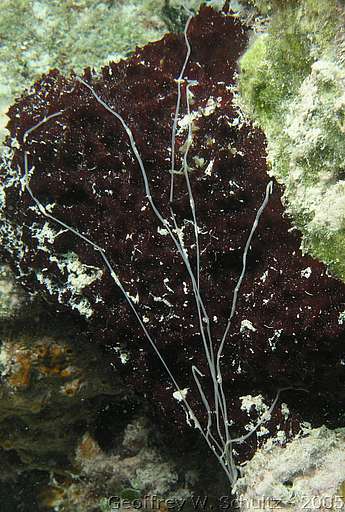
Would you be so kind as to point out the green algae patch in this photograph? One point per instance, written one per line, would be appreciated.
(292, 83)
(276, 63)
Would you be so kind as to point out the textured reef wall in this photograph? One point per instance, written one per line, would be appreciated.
(292, 83)
(72, 434)
(80, 167)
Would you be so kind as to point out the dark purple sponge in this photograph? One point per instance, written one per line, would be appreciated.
(287, 330)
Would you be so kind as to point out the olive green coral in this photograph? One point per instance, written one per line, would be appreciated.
(292, 83)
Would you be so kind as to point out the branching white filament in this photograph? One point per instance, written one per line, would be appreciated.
(177, 109)
(218, 438)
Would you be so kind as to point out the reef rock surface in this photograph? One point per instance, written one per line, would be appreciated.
(292, 84)
(307, 474)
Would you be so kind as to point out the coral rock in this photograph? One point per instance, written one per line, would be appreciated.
(307, 474)
(292, 83)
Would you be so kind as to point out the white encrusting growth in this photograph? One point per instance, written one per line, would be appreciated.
(78, 274)
(45, 235)
(251, 404)
(272, 341)
(306, 272)
(2, 198)
(246, 325)
(189, 119)
(75, 277)
(208, 170)
(180, 394)
(124, 356)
